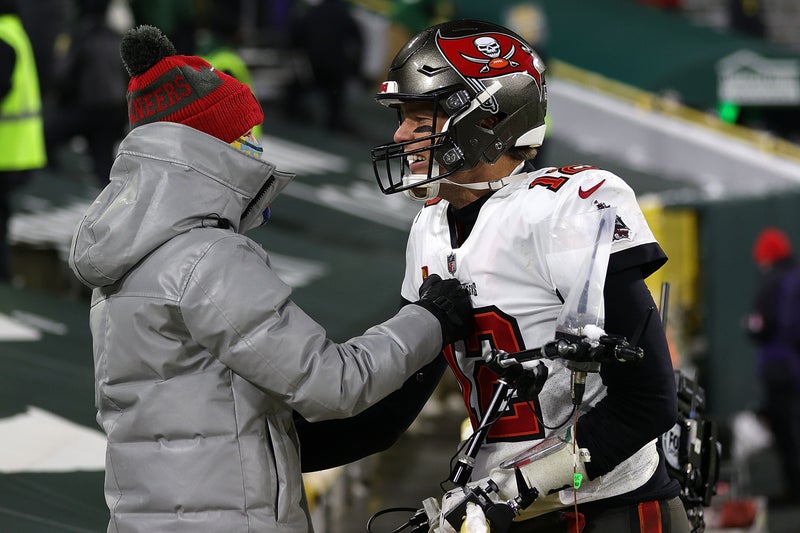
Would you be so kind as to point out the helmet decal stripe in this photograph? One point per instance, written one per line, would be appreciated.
(489, 55)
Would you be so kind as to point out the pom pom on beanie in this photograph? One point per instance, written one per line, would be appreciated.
(168, 87)
(770, 246)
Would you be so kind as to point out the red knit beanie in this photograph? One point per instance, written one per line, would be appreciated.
(168, 87)
(771, 245)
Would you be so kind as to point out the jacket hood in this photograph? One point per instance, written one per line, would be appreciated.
(168, 179)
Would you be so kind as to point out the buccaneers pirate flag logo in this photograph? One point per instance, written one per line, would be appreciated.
(489, 55)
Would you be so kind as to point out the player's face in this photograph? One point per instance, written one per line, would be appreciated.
(417, 121)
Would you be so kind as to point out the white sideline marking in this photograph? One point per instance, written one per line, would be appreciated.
(14, 330)
(289, 156)
(40, 441)
(296, 272)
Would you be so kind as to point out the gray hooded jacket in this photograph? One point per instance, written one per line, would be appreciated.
(200, 356)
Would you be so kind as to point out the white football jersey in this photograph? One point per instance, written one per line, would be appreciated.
(517, 282)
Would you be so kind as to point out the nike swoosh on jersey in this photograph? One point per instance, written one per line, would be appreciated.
(590, 191)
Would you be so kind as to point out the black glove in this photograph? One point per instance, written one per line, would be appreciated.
(450, 304)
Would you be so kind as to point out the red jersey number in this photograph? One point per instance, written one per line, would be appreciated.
(500, 331)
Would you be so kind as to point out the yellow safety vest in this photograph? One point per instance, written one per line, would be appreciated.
(21, 126)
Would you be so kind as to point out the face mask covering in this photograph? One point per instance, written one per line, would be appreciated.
(249, 145)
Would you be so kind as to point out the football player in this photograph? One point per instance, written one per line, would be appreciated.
(471, 100)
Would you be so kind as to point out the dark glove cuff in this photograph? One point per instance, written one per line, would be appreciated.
(444, 311)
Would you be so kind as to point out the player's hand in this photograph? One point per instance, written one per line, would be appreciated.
(450, 304)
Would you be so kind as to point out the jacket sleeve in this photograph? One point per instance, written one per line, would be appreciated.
(337, 442)
(238, 309)
(641, 401)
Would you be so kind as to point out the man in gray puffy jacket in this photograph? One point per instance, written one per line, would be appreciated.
(201, 357)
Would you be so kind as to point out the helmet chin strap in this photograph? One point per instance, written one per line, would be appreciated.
(494, 185)
(430, 190)
(426, 191)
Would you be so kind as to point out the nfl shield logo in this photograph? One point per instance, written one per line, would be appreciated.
(451, 263)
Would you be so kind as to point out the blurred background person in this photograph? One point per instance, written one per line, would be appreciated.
(218, 39)
(45, 21)
(328, 37)
(89, 82)
(21, 131)
(774, 325)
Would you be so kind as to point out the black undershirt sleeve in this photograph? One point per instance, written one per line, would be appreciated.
(641, 402)
(333, 443)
